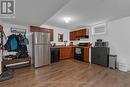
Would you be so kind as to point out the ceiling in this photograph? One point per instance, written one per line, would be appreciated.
(34, 12)
(89, 12)
(82, 12)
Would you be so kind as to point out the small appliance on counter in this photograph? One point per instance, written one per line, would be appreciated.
(71, 44)
(65, 43)
(100, 43)
(53, 44)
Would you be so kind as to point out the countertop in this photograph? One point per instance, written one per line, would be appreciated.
(69, 46)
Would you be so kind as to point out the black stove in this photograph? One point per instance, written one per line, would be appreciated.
(79, 51)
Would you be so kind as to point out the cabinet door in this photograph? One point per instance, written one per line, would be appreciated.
(94, 56)
(86, 55)
(62, 53)
(51, 35)
(99, 55)
(76, 35)
(69, 52)
(80, 33)
(104, 52)
(66, 53)
(71, 36)
(83, 32)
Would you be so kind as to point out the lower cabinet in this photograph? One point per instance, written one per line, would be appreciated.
(100, 55)
(86, 55)
(62, 53)
(66, 52)
(55, 55)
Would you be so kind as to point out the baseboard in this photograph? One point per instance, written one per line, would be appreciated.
(123, 66)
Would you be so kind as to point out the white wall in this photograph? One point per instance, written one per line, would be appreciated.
(7, 27)
(57, 30)
(7, 32)
(118, 33)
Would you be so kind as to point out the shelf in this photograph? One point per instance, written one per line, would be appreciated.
(7, 62)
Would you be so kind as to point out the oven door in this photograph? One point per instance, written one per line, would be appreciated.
(79, 53)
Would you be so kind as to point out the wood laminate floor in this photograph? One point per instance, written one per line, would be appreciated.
(68, 73)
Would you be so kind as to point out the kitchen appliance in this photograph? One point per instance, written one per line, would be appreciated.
(55, 55)
(65, 43)
(71, 43)
(79, 51)
(100, 43)
(41, 49)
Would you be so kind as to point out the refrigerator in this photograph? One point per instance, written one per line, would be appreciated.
(41, 49)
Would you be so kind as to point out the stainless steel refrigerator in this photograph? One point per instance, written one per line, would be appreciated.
(41, 49)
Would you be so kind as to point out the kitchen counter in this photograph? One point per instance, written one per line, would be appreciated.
(68, 46)
(66, 52)
(61, 46)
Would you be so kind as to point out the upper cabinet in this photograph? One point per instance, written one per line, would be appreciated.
(78, 34)
(72, 35)
(39, 29)
(51, 35)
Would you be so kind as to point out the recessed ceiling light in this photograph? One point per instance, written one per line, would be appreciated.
(67, 19)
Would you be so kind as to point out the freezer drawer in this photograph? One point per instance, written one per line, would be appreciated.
(41, 55)
(41, 38)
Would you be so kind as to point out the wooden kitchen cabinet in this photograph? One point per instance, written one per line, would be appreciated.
(18, 60)
(76, 35)
(86, 55)
(80, 33)
(51, 35)
(84, 32)
(66, 52)
(71, 36)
